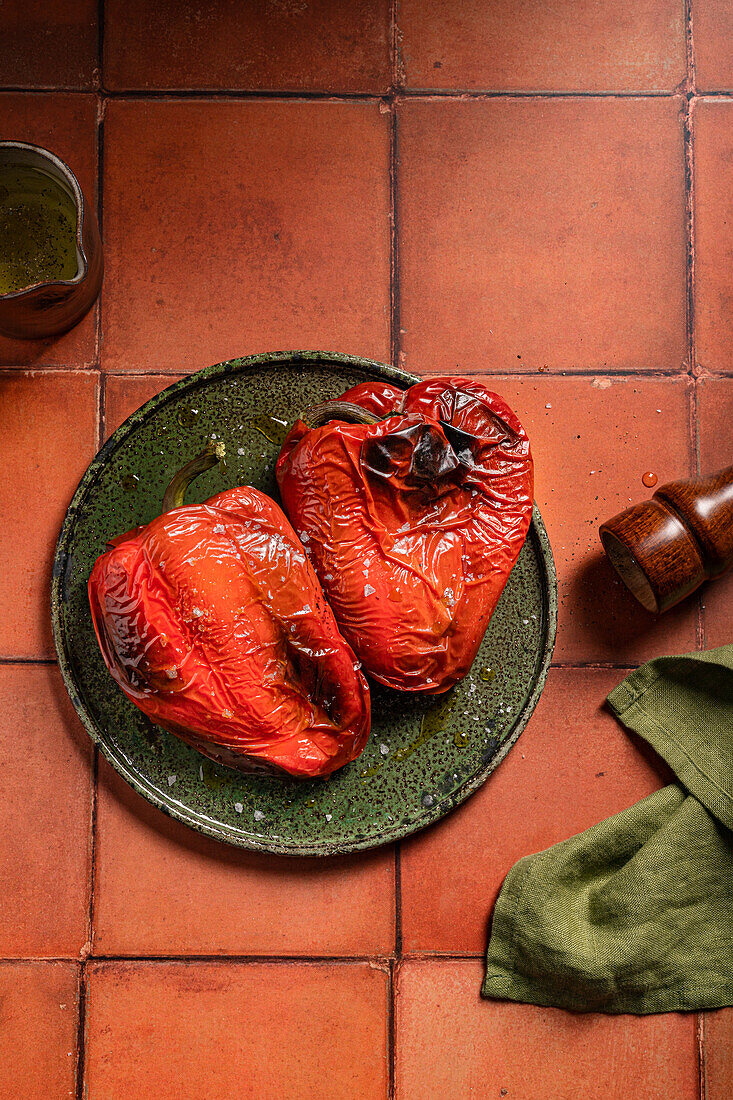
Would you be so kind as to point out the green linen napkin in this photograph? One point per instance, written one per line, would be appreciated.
(636, 913)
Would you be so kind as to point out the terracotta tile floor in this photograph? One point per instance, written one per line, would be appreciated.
(534, 192)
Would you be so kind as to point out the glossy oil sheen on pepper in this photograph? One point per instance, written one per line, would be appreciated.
(213, 623)
(413, 522)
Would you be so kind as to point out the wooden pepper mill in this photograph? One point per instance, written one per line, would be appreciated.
(666, 547)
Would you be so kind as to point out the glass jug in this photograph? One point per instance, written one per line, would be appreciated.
(50, 250)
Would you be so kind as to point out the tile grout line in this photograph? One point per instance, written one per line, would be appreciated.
(469, 95)
(100, 45)
(394, 241)
(394, 34)
(98, 208)
(48, 89)
(81, 1034)
(692, 364)
(623, 666)
(694, 374)
(689, 195)
(101, 109)
(316, 95)
(93, 813)
(640, 373)
(382, 960)
(49, 368)
(391, 1035)
(102, 410)
(701, 1055)
(27, 660)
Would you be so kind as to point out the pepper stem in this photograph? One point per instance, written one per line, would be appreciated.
(318, 415)
(176, 491)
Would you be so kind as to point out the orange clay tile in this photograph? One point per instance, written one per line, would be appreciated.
(224, 1030)
(713, 31)
(713, 171)
(286, 45)
(126, 393)
(521, 45)
(46, 443)
(715, 411)
(592, 440)
(572, 767)
(45, 810)
(245, 226)
(65, 124)
(542, 233)
(162, 889)
(452, 1043)
(48, 43)
(38, 1011)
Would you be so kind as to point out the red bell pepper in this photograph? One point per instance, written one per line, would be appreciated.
(413, 520)
(212, 621)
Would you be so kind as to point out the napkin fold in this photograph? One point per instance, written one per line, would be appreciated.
(636, 913)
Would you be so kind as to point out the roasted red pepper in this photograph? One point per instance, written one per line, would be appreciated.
(213, 623)
(413, 520)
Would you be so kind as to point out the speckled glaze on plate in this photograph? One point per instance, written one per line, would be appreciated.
(423, 757)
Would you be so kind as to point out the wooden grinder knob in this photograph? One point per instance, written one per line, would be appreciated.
(665, 548)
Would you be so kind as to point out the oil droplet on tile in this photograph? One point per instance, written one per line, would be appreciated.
(187, 417)
(487, 675)
(649, 479)
(130, 482)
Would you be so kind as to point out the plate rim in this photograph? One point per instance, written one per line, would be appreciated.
(170, 806)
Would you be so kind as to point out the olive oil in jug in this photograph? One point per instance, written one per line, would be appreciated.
(37, 229)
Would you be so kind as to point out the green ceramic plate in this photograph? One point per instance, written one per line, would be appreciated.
(423, 757)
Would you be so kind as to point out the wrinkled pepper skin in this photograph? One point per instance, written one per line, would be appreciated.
(212, 621)
(413, 522)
